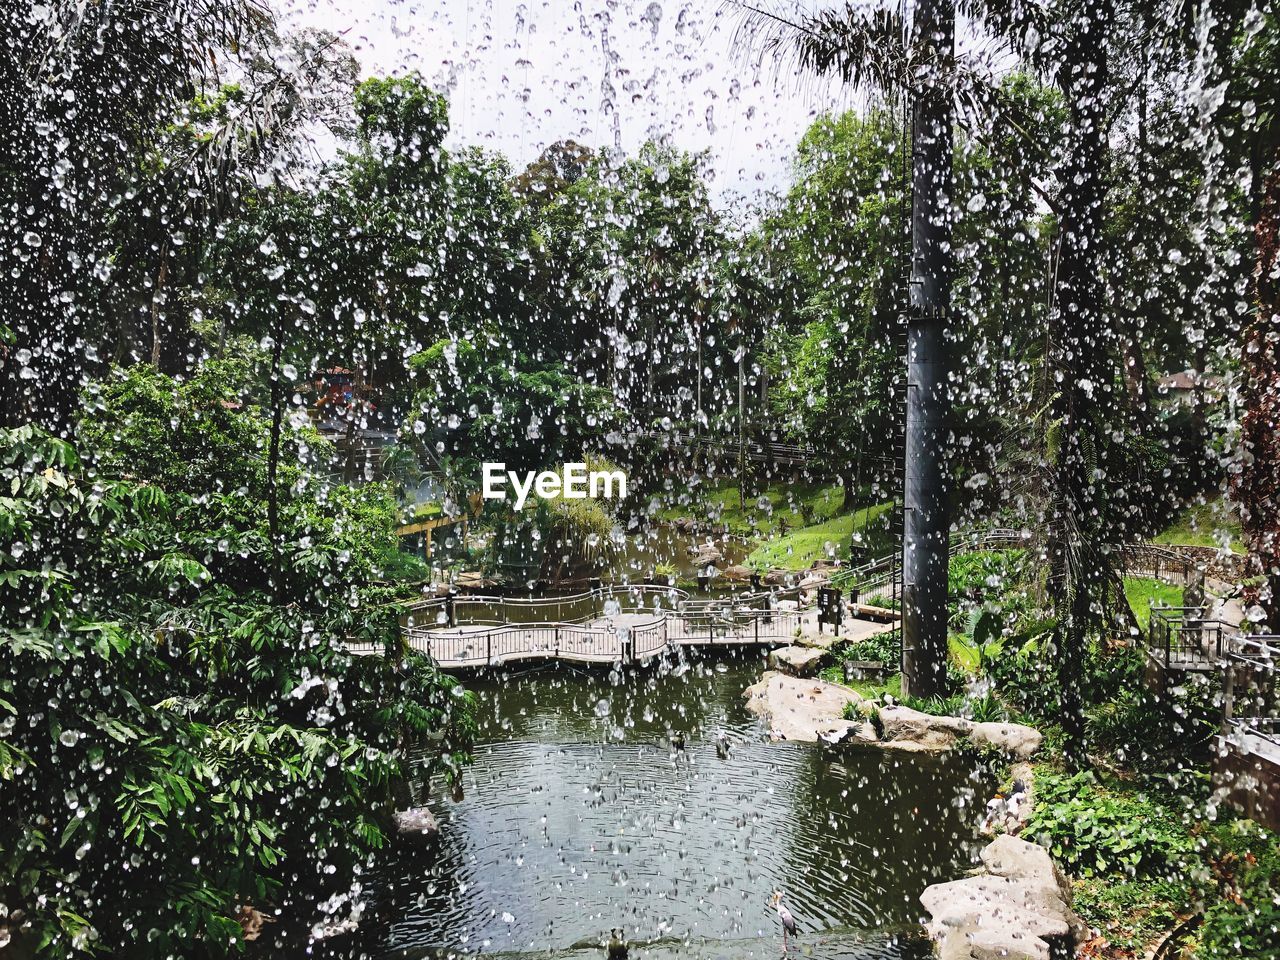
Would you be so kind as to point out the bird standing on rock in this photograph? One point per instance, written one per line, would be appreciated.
(788, 921)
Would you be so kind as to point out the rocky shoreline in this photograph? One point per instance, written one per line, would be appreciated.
(1017, 905)
(811, 710)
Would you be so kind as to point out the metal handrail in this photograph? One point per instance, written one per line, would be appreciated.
(607, 589)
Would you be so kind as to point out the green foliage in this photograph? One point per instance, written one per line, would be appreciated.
(867, 689)
(1142, 593)
(830, 364)
(179, 692)
(1096, 831)
(949, 706)
(1154, 731)
(879, 648)
(485, 400)
(1210, 524)
(1000, 575)
(401, 115)
(1131, 914)
(774, 509)
(1243, 920)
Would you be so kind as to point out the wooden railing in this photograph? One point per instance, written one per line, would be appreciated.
(601, 643)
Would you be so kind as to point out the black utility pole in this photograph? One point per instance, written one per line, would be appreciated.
(926, 523)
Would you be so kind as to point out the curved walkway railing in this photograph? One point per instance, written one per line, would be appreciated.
(462, 609)
(631, 637)
(1138, 559)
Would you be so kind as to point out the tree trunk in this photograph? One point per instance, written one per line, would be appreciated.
(926, 524)
(157, 302)
(1257, 486)
(273, 456)
(1082, 382)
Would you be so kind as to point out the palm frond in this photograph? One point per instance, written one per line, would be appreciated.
(868, 48)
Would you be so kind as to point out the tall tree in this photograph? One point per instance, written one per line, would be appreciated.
(926, 522)
(875, 48)
(101, 109)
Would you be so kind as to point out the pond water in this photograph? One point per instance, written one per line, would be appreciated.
(579, 817)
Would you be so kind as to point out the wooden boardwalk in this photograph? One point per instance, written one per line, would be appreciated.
(621, 635)
(630, 637)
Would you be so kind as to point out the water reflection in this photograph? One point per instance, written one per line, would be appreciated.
(580, 815)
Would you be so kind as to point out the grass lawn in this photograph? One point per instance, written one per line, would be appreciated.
(867, 689)
(1142, 593)
(830, 539)
(1204, 525)
(425, 511)
(793, 504)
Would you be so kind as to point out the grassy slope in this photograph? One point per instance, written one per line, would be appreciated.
(1203, 525)
(792, 504)
(1142, 593)
(830, 539)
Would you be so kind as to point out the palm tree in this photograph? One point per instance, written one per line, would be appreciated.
(876, 49)
(1068, 40)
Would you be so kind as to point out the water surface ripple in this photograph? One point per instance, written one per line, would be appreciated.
(579, 816)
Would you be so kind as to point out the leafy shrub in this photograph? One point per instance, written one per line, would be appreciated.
(986, 574)
(199, 714)
(881, 648)
(1093, 831)
(987, 709)
(936, 706)
(1148, 731)
(1244, 921)
(1130, 913)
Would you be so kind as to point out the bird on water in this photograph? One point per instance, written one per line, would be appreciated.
(722, 745)
(788, 921)
(617, 949)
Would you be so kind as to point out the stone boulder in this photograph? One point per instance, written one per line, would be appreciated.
(1017, 908)
(416, 823)
(904, 725)
(812, 581)
(799, 661)
(1012, 738)
(738, 572)
(801, 709)
(777, 577)
(705, 555)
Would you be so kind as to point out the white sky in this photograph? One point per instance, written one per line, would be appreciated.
(522, 75)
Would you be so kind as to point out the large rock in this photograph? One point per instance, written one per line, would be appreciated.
(416, 823)
(799, 661)
(1019, 908)
(801, 709)
(1013, 738)
(902, 724)
(706, 555)
(738, 572)
(812, 581)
